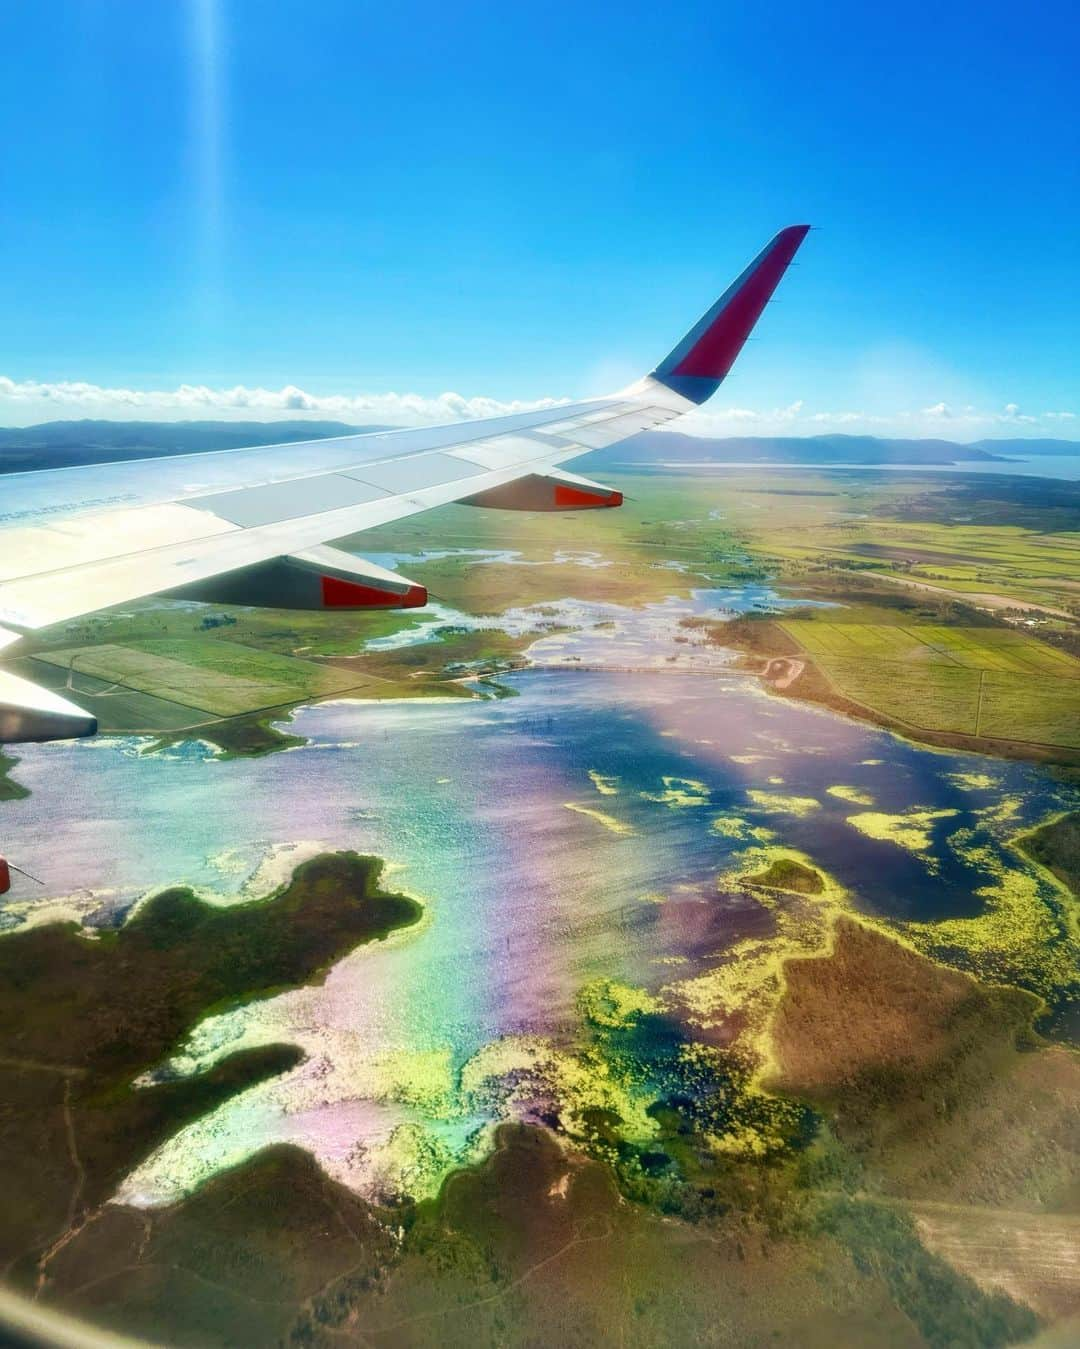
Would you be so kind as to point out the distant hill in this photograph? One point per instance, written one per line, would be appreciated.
(1026, 447)
(61, 444)
(655, 447)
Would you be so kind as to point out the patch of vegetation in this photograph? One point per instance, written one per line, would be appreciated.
(234, 1264)
(948, 1308)
(239, 737)
(939, 1085)
(10, 790)
(81, 1017)
(982, 682)
(1056, 846)
(787, 874)
(1048, 507)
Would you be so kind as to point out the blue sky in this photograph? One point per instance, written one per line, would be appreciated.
(512, 202)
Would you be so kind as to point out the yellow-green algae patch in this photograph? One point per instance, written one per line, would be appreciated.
(414, 1162)
(1026, 934)
(738, 997)
(734, 826)
(747, 979)
(1069, 897)
(748, 1123)
(910, 830)
(512, 1072)
(680, 793)
(778, 804)
(421, 1078)
(606, 1002)
(972, 782)
(1004, 810)
(601, 817)
(855, 795)
(605, 785)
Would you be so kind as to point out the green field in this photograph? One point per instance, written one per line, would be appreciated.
(985, 682)
(116, 706)
(973, 648)
(222, 678)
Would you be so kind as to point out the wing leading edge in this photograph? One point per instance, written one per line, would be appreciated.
(251, 523)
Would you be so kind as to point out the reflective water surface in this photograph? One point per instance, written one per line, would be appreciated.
(569, 834)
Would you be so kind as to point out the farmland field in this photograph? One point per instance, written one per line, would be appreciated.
(993, 683)
(1043, 711)
(974, 648)
(118, 707)
(222, 678)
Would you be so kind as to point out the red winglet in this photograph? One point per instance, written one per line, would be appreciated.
(714, 353)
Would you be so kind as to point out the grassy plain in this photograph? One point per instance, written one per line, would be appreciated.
(223, 678)
(986, 683)
(998, 542)
(985, 574)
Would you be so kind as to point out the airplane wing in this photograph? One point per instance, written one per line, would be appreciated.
(252, 526)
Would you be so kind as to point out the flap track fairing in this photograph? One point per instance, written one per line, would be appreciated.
(317, 578)
(551, 491)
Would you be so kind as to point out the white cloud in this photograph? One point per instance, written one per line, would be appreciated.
(25, 401)
(937, 420)
(22, 400)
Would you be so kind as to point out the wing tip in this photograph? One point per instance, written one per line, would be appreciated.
(699, 364)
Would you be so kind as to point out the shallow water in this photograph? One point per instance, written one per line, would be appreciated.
(571, 834)
(1065, 467)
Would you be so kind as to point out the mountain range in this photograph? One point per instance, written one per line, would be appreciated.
(64, 443)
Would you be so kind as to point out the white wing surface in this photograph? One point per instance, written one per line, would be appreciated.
(248, 525)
